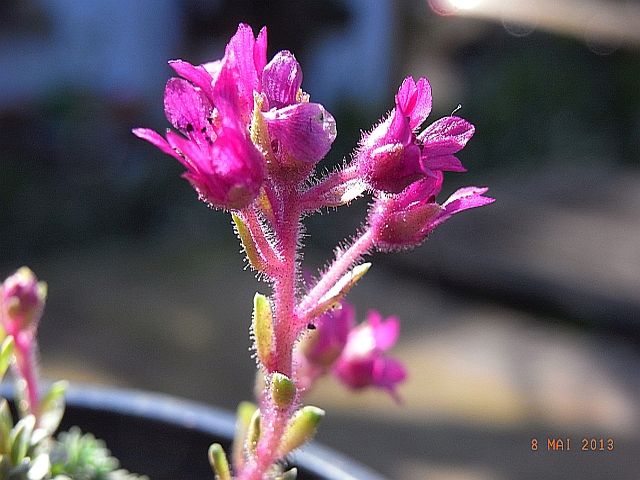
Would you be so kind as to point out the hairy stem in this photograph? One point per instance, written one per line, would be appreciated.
(27, 369)
(345, 260)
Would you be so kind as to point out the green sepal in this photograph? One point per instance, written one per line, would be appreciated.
(243, 419)
(219, 463)
(20, 439)
(52, 407)
(283, 390)
(6, 424)
(6, 354)
(262, 327)
(332, 298)
(249, 246)
(302, 427)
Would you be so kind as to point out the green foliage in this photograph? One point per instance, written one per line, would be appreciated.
(29, 452)
(78, 456)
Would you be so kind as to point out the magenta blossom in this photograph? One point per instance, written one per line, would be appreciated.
(214, 107)
(363, 361)
(391, 157)
(404, 220)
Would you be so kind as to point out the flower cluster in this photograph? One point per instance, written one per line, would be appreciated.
(250, 138)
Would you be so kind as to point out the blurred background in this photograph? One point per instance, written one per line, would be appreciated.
(520, 320)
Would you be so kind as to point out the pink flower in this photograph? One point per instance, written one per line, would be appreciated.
(392, 157)
(363, 361)
(223, 165)
(404, 220)
(212, 105)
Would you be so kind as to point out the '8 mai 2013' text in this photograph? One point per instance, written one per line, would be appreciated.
(562, 444)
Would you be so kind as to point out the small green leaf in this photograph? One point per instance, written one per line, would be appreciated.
(6, 424)
(243, 418)
(249, 246)
(253, 433)
(339, 290)
(52, 407)
(219, 463)
(20, 438)
(302, 427)
(283, 390)
(6, 352)
(262, 327)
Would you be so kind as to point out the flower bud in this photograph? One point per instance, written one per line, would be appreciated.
(404, 220)
(23, 299)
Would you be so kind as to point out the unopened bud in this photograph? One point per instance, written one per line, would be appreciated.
(23, 299)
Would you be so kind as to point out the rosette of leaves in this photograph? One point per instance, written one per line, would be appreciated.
(78, 456)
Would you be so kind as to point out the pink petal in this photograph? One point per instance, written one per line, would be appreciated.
(281, 80)
(192, 158)
(260, 51)
(387, 373)
(444, 163)
(240, 51)
(463, 199)
(414, 100)
(304, 130)
(197, 75)
(185, 107)
(446, 136)
(155, 139)
(386, 333)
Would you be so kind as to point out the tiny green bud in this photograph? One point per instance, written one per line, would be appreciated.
(262, 327)
(219, 463)
(302, 427)
(283, 390)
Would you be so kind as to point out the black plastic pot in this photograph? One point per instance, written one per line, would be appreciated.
(167, 438)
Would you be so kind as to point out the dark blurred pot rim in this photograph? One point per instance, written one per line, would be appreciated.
(314, 458)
